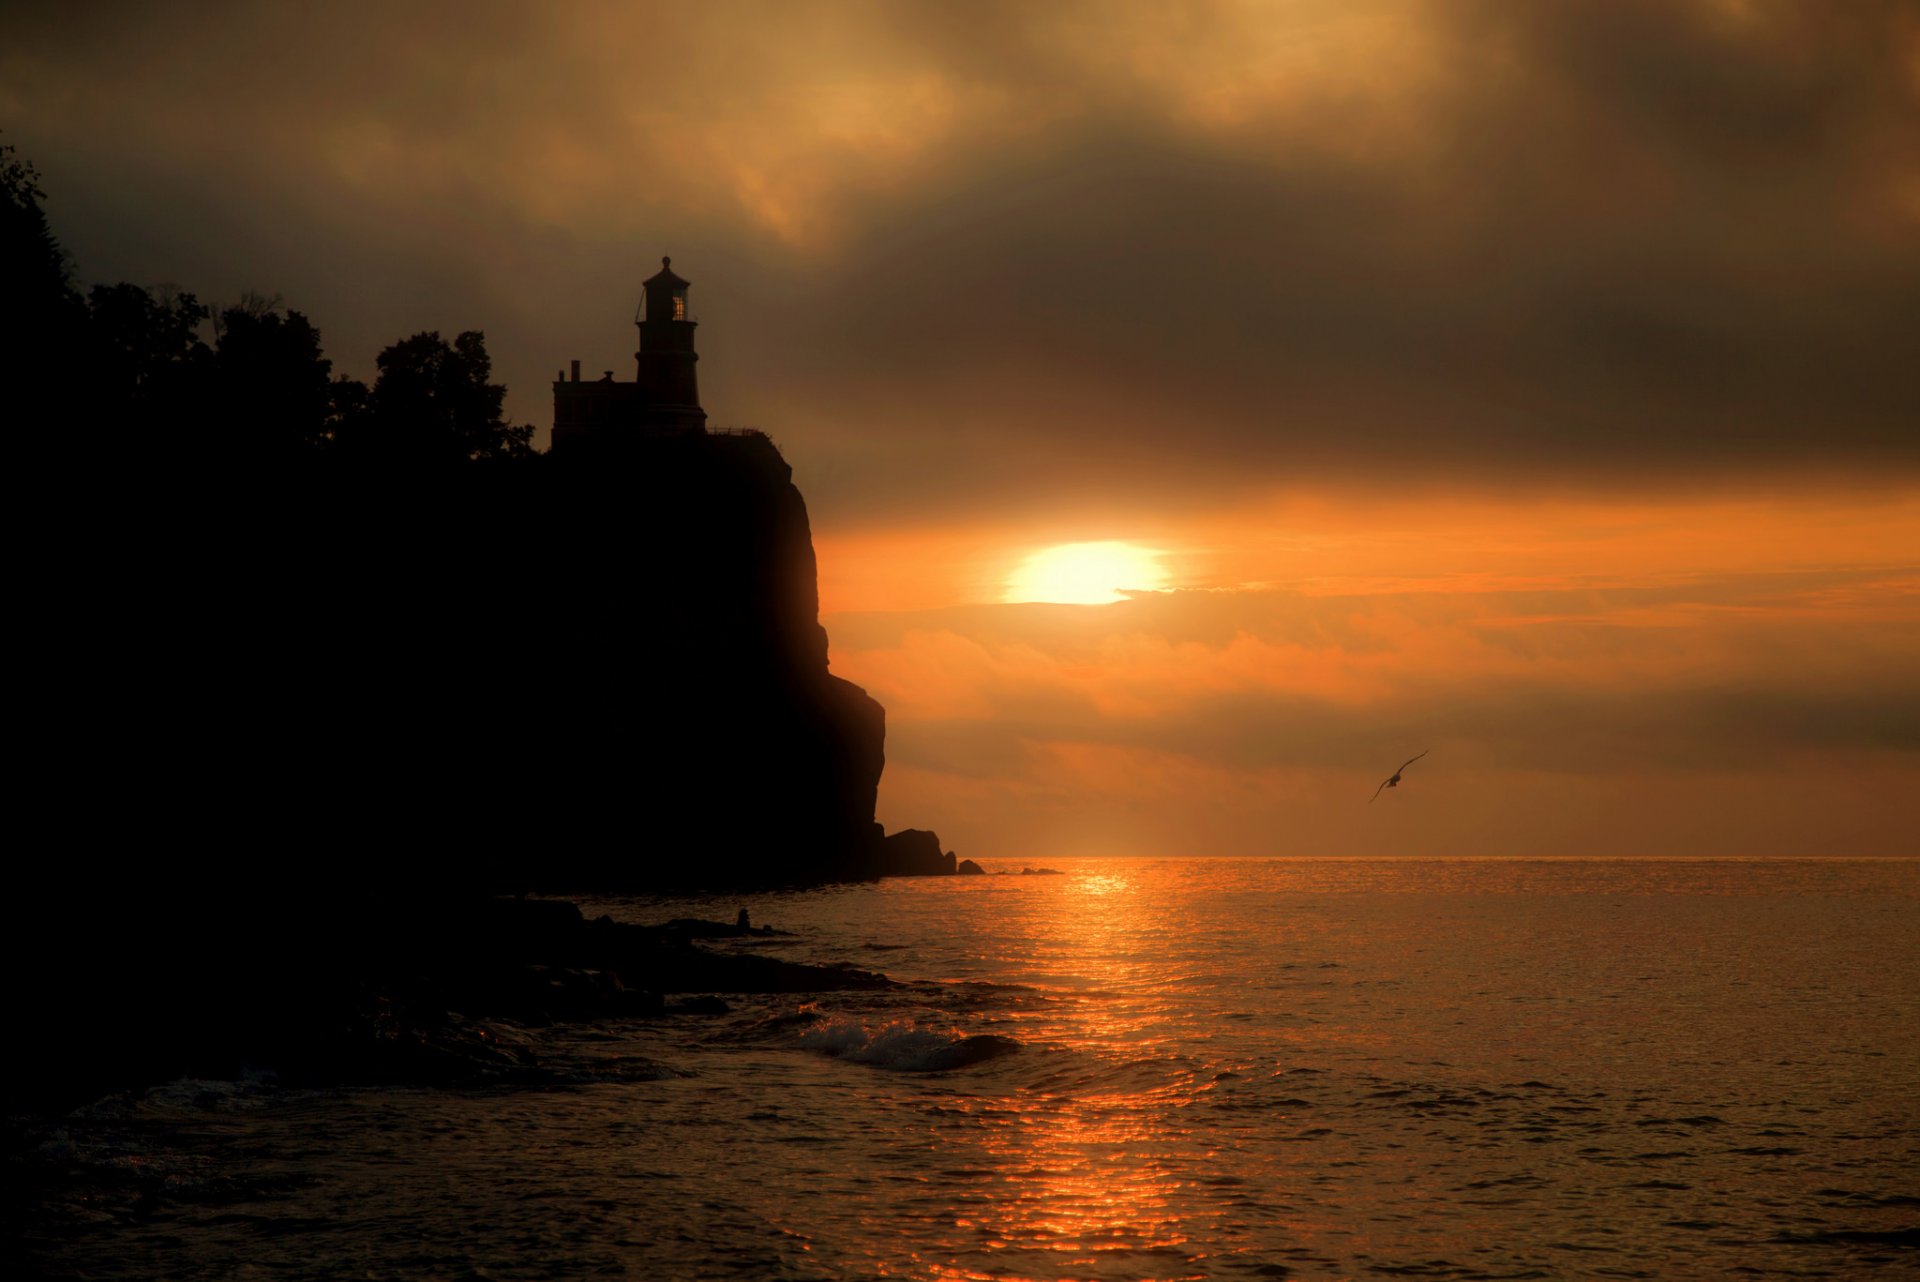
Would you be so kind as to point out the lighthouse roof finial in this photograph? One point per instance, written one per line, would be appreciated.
(665, 276)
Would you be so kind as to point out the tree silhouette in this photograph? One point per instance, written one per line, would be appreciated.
(272, 388)
(42, 317)
(349, 405)
(37, 270)
(141, 388)
(433, 403)
(149, 367)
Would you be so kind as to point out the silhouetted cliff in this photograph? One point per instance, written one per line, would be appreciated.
(306, 672)
(690, 710)
(603, 671)
(275, 717)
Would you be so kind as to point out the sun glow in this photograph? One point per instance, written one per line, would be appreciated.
(1086, 573)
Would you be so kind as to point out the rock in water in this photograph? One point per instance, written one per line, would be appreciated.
(914, 852)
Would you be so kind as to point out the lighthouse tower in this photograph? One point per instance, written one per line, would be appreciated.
(669, 395)
(664, 397)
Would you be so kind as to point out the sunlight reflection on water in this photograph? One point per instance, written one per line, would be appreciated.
(1225, 1069)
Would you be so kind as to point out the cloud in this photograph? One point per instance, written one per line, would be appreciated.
(1528, 381)
(1574, 713)
(1026, 257)
(1566, 680)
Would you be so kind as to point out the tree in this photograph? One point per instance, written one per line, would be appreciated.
(272, 387)
(149, 366)
(135, 385)
(41, 315)
(349, 407)
(433, 403)
(36, 268)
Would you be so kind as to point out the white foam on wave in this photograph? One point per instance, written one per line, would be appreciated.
(904, 1045)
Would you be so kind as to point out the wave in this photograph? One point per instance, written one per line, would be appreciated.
(904, 1046)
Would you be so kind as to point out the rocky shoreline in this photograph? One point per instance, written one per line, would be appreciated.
(409, 994)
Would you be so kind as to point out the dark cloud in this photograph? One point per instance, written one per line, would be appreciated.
(1053, 256)
(1513, 727)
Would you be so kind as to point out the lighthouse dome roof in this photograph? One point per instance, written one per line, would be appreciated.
(665, 277)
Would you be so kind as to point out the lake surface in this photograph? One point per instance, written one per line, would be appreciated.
(1175, 1069)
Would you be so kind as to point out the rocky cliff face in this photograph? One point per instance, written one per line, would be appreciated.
(275, 721)
(693, 718)
(600, 672)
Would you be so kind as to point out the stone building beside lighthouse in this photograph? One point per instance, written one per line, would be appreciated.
(664, 397)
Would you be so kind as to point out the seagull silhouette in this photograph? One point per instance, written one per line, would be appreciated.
(1395, 781)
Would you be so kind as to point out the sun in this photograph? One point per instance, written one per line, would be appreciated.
(1085, 573)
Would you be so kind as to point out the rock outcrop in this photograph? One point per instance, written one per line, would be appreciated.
(694, 719)
(597, 673)
(914, 852)
(298, 714)
(429, 995)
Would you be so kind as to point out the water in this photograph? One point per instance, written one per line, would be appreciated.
(1141, 1070)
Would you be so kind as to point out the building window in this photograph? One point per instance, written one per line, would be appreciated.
(679, 307)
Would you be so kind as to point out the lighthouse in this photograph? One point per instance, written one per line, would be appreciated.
(664, 397)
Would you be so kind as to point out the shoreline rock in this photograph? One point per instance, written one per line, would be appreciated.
(425, 995)
(914, 852)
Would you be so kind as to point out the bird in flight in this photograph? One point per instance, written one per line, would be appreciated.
(1394, 782)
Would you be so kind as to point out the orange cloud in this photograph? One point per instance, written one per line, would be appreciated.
(1650, 658)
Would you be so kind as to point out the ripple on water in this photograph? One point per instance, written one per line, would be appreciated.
(1205, 1069)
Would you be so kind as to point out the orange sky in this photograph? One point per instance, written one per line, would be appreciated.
(1532, 383)
(1685, 676)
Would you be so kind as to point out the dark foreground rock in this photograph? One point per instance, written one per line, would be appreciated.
(397, 993)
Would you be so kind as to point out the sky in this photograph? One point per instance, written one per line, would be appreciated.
(1530, 383)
